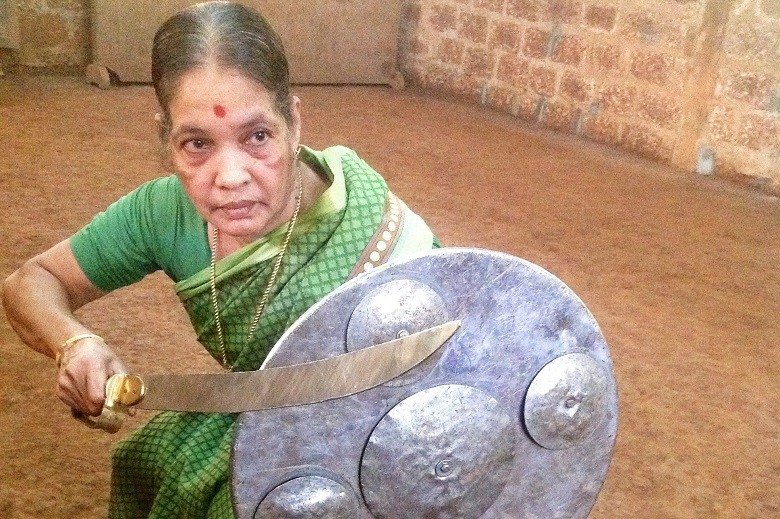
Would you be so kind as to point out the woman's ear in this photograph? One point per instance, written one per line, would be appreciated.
(295, 112)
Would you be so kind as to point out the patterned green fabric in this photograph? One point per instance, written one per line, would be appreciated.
(177, 464)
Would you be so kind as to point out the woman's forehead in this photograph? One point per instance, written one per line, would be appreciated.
(213, 87)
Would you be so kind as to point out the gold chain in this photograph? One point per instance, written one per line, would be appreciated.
(271, 278)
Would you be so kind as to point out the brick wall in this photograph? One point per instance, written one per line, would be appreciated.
(669, 79)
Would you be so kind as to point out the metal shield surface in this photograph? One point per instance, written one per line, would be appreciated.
(515, 416)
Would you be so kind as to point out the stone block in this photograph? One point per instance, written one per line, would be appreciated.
(658, 108)
(473, 27)
(600, 17)
(602, 57)
(478, 62)
(512, 69)
(543, 80)
(563, 11)
(602, 127)
(506, 35)
(561, 114)
(653, 67)
(750, 37)
(575, 86)
(617, 97)
(759, 131)
(653, 28)
(568, 49)
(495, 6)
(536, 42)
(524, 9)
(647, 142)
(757, 89)
(441, 18)
(451, 51)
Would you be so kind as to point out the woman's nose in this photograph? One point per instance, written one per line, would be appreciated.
(232, 169)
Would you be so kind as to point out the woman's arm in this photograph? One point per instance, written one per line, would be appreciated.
(39, 300)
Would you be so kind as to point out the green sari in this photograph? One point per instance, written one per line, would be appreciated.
(177, 465)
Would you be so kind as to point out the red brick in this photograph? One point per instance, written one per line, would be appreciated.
(602, 127)
(473, 27)
(647, 142)
(536, 42)
(418, 46)
(501, 98)
(600, 17)
(756, 89)
(759, 131)
(722, 125)
(542, 79)
(561, 114)
(603, 58)
(495, 6)
(568, 50)
(451, 51)
(442, 18)
(438, 77)
(512, 69)
(617, 97)
(658, 108)
(652, 67)
(507, 36)
(469, 86)
(575, 87)
(478, 62)
(752, 38)
(527, 103)
(411, 14)
(524, 9)
(652, 28)
(563, 11)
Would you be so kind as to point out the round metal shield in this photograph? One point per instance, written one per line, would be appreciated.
(446, 451)
(308, 497)
(566, 401)
(452, 441)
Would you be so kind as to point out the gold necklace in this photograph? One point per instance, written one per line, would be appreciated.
(271, 278)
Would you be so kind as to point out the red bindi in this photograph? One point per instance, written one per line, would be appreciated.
(219, 111)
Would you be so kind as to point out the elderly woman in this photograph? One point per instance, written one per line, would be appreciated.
(254, 229)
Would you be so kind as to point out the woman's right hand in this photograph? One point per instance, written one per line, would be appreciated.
(84, 369)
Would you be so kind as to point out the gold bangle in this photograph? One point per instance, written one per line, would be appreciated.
(70, 342)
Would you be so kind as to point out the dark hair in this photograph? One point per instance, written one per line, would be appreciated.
(227, 34)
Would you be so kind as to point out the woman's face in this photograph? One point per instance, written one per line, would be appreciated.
(234, 152)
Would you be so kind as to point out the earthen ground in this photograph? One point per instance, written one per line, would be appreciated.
(682, 273)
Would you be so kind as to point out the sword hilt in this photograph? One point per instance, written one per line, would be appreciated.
(122, 391)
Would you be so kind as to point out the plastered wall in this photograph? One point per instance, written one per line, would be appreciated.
(678, 81)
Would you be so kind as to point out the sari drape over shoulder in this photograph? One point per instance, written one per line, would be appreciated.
(177, 465)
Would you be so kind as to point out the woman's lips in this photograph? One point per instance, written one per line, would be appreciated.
(238, 210)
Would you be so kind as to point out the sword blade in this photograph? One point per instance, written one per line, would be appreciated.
(298, 384)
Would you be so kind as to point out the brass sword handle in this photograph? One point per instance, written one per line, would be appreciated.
(122, 391)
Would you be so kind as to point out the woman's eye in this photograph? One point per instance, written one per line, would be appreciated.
(194, 145)
(258, 137)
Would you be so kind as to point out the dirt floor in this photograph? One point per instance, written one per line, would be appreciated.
(682, 273)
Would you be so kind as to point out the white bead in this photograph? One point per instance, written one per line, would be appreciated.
(386, 236)
(367, 267)
(381, 245)
(392, 226)
(374, 256)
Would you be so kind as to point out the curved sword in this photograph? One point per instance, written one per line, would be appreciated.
(297, 384)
